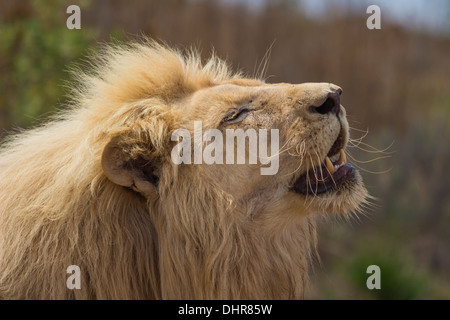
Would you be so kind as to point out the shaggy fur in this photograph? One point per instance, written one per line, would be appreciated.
(95, 187)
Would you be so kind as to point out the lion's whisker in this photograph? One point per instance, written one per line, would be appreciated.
(360, 130)
(374, 150)
(365, 170)
(367, 161)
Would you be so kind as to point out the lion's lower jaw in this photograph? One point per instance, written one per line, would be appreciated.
(348, 200)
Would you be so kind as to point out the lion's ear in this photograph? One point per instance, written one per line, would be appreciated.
(127, 169)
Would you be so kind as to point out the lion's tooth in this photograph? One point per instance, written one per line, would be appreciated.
(329, 164)
(342, 157)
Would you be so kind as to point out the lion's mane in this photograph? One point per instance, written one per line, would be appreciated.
(57, 207)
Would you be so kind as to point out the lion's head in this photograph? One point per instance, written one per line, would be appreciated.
(197, 229)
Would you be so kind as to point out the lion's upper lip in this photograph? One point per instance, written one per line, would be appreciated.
(338, 144)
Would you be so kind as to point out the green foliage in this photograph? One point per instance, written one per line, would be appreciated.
(35, 50)
(399, 279)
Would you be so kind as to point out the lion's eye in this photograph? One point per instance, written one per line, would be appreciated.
(237, 116)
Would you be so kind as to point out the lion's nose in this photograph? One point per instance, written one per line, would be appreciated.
(332, 104)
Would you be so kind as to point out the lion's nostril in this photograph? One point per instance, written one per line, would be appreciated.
(326, 107)
(332, 104)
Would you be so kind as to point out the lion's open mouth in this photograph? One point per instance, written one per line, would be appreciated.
(330, 175)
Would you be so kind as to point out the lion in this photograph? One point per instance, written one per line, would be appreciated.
(96, 186)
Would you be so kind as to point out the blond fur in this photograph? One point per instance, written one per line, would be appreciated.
(191, 240)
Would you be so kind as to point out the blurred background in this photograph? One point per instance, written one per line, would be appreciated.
(396, 83)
